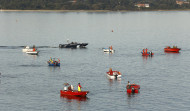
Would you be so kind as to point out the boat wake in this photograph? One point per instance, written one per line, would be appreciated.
(19, 47)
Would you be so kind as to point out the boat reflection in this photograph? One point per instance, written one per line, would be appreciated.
(73, 98)
(53, 69)
(111, 81)
(146, 57)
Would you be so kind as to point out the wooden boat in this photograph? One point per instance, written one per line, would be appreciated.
(73, 93)
(174, 49)
(133, 88)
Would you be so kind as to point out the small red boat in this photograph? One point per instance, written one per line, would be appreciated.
(174, 49)
(145, 52)
(74, 93)
(133, 88)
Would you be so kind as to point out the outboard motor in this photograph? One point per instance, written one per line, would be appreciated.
(133, 90)
(116, 76)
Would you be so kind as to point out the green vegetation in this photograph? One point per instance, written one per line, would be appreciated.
(90, 4)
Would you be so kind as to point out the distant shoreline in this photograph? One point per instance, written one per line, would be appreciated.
(88, 10)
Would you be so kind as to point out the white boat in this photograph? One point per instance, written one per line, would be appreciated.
(116, 74)
(33, 52)
(108, 50)
(27, 48)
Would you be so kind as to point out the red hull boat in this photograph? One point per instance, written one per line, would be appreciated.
(169, 49)
(133, 88)
(145, 52)
(74, 93)
(78, 98)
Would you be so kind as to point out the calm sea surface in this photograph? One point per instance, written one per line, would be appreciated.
(27, 83)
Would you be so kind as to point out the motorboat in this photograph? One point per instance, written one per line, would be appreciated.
(113, 74)
(54, 62)
(73, 45)
(174, 49)
(146, 52)
(26, 48)
(110, 49)
(69, 45)
(73, 93)
(133, 88)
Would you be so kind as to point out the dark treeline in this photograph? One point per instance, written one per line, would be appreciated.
(89, 4)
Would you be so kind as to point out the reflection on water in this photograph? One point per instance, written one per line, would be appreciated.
(111, 81)
(73, 101)
(146, 57)
(54, 68)
(132, 99)
(73, 98)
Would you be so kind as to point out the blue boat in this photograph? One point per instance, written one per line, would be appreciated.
(54, 62)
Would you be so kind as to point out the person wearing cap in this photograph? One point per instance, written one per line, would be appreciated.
(79, 87)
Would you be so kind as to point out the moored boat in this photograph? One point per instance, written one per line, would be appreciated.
(73, 93)
(174, 49)
(133, 88)
(54, 62)
(113, 74)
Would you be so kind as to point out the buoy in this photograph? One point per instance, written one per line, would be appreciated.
(111, 30)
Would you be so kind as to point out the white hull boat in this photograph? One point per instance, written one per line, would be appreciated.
(108, 50)
(116, 74)
(27, 48)
(32, 52)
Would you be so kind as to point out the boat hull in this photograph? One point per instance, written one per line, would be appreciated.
(133, 88)
(32, 52)
(54, 64)
(108, 50)
(147, 54)
(67, 45)
(73, 45)
(114, 76)
(172, 49)
(74, 93)
(27, 50)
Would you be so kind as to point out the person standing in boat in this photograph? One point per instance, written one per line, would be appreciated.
(79, 87)
(34, 48)
(110, 71)
(128, 85)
